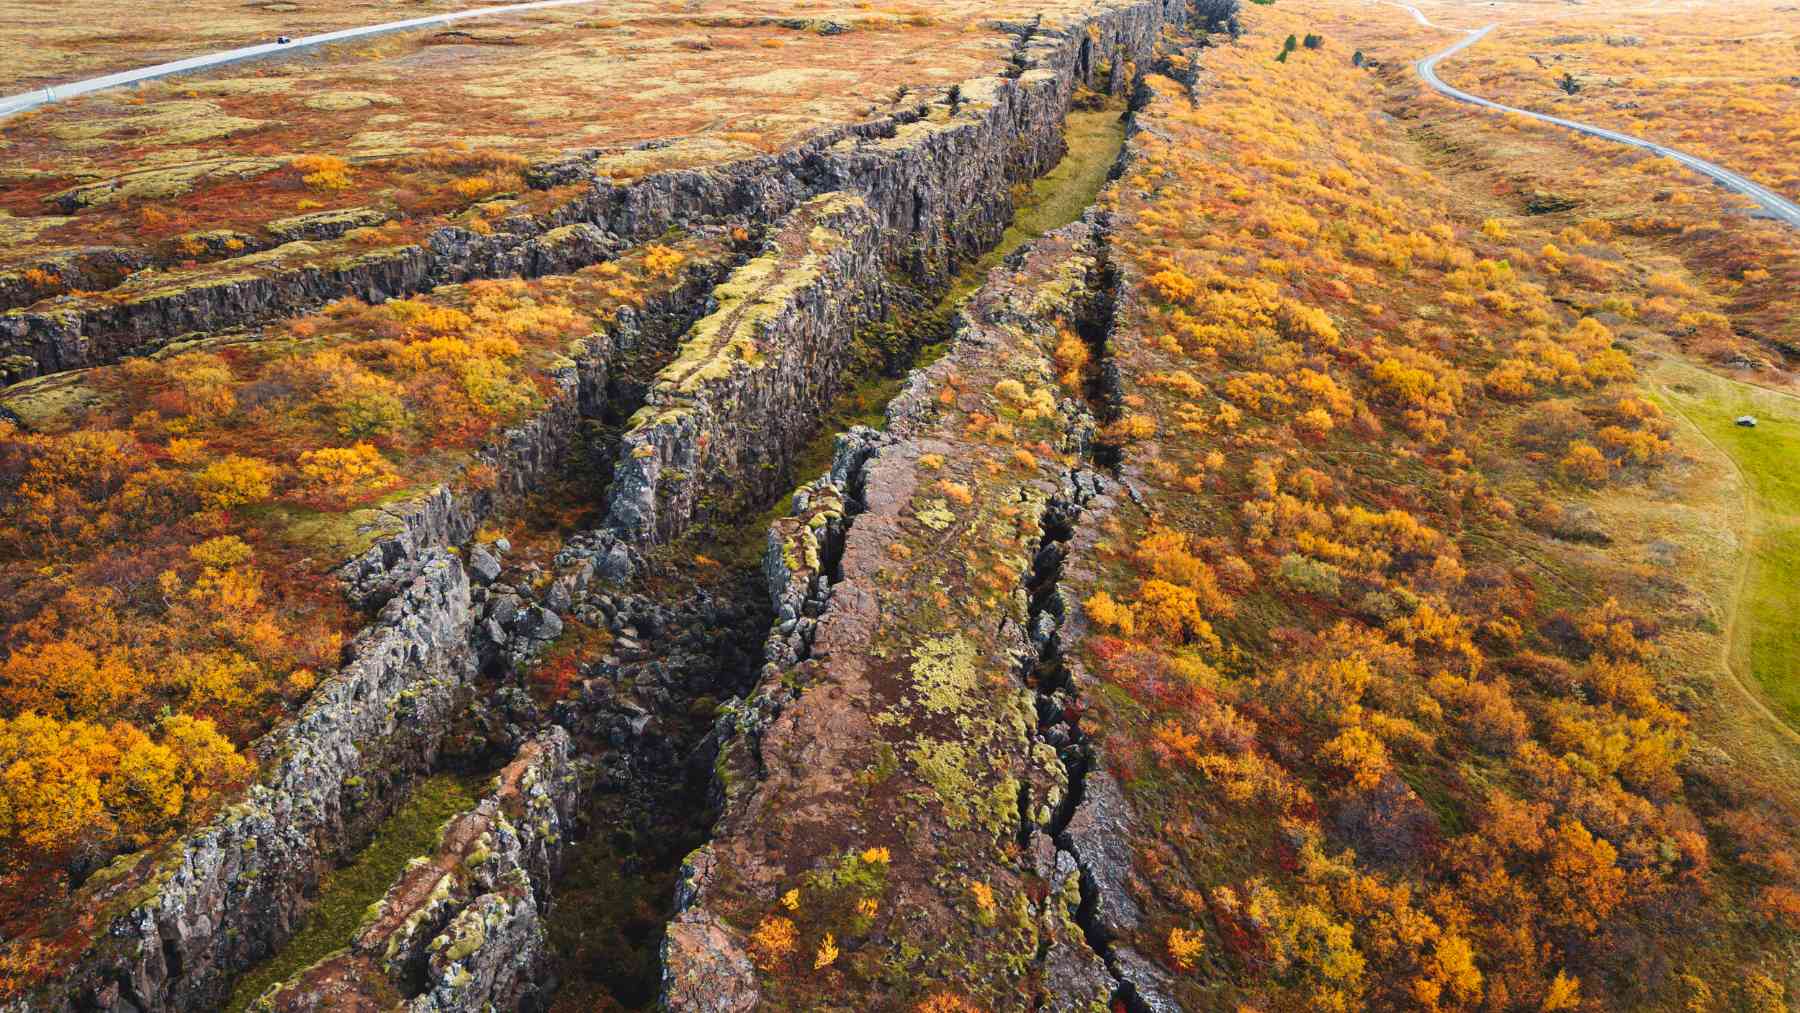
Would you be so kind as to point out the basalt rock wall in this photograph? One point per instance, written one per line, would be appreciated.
(287, 279)
(933, 193)
(584, 387)
(725, 419)
(181, 921)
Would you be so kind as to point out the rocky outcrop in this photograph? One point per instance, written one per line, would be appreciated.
(325, 224)
(936, 176)
(725, 418)
(462, 929)
(586, 385)
(926, 196)
(899, 649)
(177, 923)
(154, 309)
(89, 269)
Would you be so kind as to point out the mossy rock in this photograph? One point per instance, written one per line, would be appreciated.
(344, 101)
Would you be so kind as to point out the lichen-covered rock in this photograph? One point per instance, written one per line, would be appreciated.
(723, 420)
(705, 964)
(904, 722)
(705, 968)
(325, 224)
(489, 957)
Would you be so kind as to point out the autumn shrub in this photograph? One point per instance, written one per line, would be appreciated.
(236, 480)
(661, 261)
(322, 172)
(1584, 463)
(342, 474)
(773, 941)
(65, 782)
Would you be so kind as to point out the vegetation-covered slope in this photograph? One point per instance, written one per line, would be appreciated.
(1396, 737)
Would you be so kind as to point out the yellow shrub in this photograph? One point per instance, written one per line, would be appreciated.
(773, 941)
(1106, 612)
(236, 481)
(323, 172)
(660, 261)
(344, 471)
(1185, 947)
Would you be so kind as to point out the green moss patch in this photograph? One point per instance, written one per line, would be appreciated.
(346, 893)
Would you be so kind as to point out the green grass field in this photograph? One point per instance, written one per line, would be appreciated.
(1766, 635)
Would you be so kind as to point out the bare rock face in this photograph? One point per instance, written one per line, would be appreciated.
(290, 278)
(1097, 837)
(182, 921)
(93, 268)
(705, 965)
(705, 969)
(1145, 987)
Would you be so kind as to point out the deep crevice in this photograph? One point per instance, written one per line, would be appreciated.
(924, 323)
(642, 616)
(1045, 671)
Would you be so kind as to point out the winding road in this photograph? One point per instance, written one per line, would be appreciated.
(1777, 207)
(22, 101)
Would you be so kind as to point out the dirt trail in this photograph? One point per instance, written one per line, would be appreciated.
(1730, 659)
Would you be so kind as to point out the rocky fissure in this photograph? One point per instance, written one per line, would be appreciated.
(1073, 820)
(604, 377)
(848, 514)
(776, 349)
(916, 197)
(181, 920)
(937, 177)
(459, 928)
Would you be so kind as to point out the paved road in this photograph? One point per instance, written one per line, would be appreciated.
(10, 104)
(1776, 206)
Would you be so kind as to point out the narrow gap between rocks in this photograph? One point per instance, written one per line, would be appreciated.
(690, 635)
(345, 893)
(921, 334)
(1044, 671)
(639, 669)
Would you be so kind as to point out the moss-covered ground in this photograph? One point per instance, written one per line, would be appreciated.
(346, 893)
